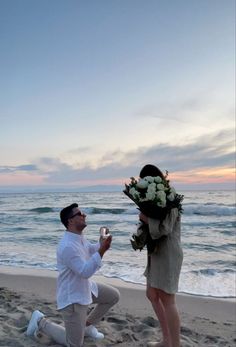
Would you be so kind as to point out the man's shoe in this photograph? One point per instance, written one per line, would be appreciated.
(33, 323)
(91, 331)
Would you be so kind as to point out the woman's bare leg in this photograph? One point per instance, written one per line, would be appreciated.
(153, 296)
(172, 316)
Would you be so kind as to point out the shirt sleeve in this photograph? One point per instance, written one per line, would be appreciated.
(158, 228)
(93, 248)
(81, 267)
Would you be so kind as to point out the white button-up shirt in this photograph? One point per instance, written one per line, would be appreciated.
(77, 261)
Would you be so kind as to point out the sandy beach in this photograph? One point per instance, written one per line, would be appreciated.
(205, 321)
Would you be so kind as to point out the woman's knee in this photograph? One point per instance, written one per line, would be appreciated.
(166, 298)
(152, 294)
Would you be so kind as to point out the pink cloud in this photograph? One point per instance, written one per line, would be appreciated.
(18, 179)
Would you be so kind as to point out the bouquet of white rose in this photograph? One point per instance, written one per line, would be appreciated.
(155, 198)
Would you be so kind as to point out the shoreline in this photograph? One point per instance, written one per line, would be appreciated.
(28, 280)
(17, 270)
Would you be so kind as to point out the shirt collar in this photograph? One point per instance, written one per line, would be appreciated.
(75, 237)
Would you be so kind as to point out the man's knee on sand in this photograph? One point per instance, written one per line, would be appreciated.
(107, 294)
(115, 296)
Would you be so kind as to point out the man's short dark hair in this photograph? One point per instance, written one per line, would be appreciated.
(66, 213)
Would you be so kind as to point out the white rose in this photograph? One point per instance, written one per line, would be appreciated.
(172, 190)
(161, 203)
(150, 179)
(161, 198)
(157, 179)
(134, 193)
(161, 194)
(171, 196)
(160, 186)
(151, 195)
(152, 187)
(142, 184)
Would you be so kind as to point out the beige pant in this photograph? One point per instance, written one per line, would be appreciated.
(75, 318)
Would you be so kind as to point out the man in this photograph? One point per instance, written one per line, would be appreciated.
(77, 261)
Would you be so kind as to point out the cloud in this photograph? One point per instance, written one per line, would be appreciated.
(206, 151)
(215, 150)
(189, 110)
(28, 167)
(10, 169)
(82, 149)
(178, 111)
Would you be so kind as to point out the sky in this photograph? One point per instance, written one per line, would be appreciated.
(92, 90)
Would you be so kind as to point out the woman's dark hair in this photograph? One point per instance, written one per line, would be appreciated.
(151, 170)
(66, 214)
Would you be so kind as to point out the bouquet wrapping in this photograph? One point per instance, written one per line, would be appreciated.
(155, 198)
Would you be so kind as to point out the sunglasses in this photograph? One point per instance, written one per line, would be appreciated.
(77, 214)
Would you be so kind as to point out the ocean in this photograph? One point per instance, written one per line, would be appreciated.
(30, 230)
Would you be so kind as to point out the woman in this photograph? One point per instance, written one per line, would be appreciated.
(163, 269)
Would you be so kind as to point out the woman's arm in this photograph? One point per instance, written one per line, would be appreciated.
(158, 228)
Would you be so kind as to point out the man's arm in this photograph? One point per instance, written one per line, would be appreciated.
(93, 248)
(80, 266)
(85, 268)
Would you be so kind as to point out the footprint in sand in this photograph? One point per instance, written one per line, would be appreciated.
(139, 328)
(150, 321)
(6, 342)
(116, 320)
(187, 342)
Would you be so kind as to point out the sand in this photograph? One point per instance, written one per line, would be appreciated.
(205, 321)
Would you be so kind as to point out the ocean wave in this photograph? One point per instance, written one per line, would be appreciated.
(97, 210)
(205, 282)
(208, 282)
(210, 204)
(42, 209)
(209, 210)
(209, 248)
(213, 272)
(220, 204)
(27, 264)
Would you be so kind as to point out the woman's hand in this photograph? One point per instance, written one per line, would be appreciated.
(143, 218)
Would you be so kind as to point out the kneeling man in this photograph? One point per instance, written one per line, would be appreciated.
(77, 261)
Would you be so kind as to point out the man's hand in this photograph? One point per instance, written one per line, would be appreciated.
(105, 245)
(143, 218)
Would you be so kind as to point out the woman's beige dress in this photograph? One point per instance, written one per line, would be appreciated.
(164, 264)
